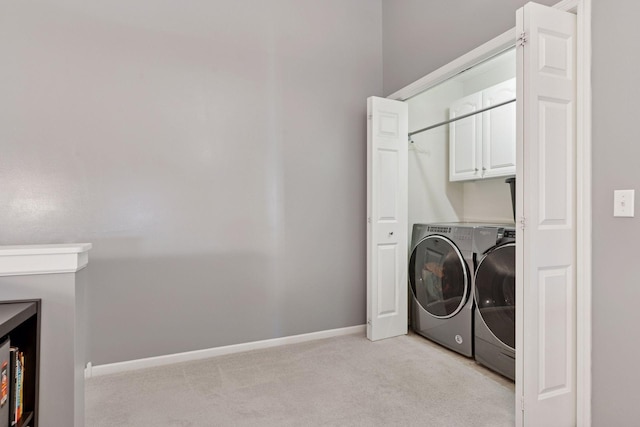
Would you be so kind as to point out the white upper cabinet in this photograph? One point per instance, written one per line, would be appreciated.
(483, 145)
(465, 139)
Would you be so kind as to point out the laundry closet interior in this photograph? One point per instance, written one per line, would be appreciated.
(461, 170)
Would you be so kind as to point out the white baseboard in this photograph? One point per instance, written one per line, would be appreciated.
(150, 362)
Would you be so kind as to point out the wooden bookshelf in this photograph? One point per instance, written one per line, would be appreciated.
(25, 420)
(20, 321)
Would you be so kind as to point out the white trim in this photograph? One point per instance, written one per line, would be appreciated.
(88, 371)
(481, 53)
(62, 248)
(519, 386)
(43, 259)
(582, 8)
(583, 205)
(568, 5)
(151, 362)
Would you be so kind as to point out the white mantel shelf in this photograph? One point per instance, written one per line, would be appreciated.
(20, 260)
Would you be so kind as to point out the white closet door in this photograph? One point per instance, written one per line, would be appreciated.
(499, 131)
(546, 255)
(465, 139)
(387, 216)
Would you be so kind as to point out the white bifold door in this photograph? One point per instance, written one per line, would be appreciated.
(546, 236)
(387, 216)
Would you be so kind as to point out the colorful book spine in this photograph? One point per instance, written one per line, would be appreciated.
(14, 385)
(5, 377)
(19, 392)
(22, 370)
(4, 383)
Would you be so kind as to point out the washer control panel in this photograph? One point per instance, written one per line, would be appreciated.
(439, 229)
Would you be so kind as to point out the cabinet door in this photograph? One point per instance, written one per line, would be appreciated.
(499, 131)
(465, 148)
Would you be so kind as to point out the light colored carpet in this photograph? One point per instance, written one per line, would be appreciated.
(343, 381)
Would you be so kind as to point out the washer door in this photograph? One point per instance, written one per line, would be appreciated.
(439, 277)
(496, 292)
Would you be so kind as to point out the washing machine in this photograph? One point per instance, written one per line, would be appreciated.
(495, 299)
(440, 281)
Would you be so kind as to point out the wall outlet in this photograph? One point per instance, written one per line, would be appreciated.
(623, 203)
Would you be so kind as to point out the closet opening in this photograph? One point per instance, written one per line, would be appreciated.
(409, 185)
(462, 147)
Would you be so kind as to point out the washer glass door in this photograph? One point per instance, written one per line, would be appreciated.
(496, 292)
(438, 276)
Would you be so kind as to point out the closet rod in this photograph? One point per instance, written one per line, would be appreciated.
(464, 116)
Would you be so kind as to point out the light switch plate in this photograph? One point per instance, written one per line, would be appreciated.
(623, 203)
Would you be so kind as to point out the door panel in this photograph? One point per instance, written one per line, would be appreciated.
(554, 325)
(387, 230)
(388, 182)
(387, 284)
(555, 194)
(546, 249)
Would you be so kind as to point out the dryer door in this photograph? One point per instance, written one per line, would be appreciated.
(439, 277)
(495, 282)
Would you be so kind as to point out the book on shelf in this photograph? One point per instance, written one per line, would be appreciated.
(16, 383)
(5, 386)
(20, 392)
(13, 384)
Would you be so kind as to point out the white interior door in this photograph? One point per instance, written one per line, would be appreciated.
(387, 216)
(546, 243)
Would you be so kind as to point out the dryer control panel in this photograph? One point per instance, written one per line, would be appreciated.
(486, 237)
(463, 236)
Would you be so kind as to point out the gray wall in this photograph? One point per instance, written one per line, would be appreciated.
(212, 151)
(616, 153)
(419, 37)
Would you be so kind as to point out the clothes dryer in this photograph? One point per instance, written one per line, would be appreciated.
(440, 280)
(495, 299)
